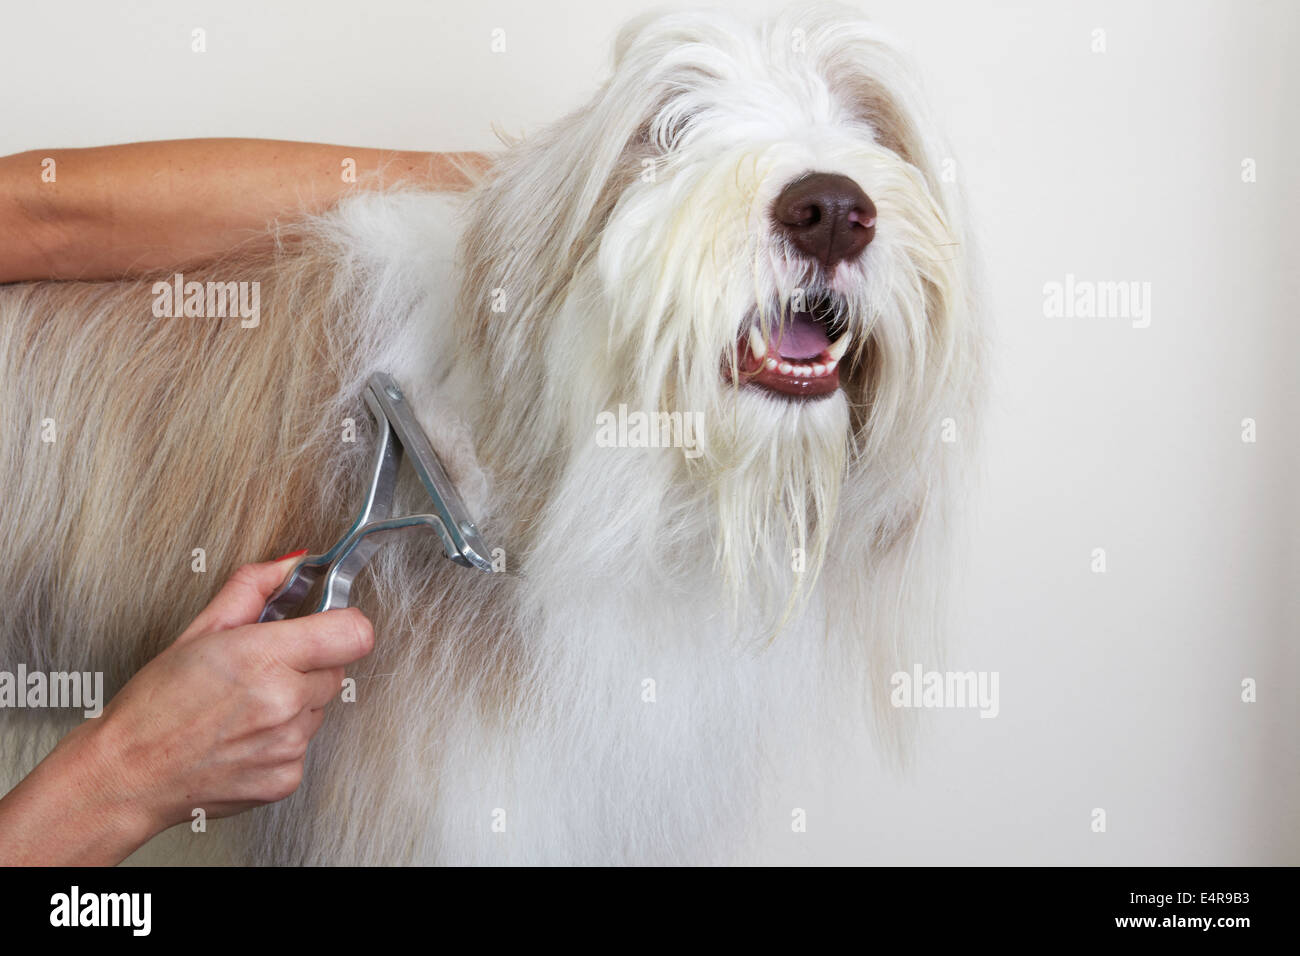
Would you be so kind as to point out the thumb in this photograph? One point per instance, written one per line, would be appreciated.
(242, 597)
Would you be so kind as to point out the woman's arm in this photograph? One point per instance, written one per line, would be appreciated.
(112, 211)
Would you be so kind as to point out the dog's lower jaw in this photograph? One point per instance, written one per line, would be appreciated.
(819, 378)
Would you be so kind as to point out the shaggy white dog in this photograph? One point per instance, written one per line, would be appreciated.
(746, 229)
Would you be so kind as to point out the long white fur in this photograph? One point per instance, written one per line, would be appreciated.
(625, 247)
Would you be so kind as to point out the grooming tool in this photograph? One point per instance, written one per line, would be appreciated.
(398, 433)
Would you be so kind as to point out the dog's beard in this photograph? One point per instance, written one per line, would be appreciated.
(776, 472)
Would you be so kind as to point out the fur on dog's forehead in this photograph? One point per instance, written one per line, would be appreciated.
(823, 66)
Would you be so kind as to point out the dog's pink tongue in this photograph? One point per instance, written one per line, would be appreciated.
(802, 338)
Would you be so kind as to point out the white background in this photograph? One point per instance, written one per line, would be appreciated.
(1119, 690)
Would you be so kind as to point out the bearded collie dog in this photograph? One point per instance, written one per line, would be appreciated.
(749, 230)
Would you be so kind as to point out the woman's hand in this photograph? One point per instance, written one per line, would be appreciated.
(218, 721)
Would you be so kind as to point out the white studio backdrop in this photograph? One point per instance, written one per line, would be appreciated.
(1143, 142)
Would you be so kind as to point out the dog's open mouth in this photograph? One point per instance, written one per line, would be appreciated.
(800, 357)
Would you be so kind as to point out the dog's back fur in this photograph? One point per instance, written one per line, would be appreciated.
(130, 441)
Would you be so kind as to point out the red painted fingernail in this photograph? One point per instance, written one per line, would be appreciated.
(291, 554)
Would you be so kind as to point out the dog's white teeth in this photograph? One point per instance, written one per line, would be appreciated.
(756, 343)
(837, 348)
(800, 369)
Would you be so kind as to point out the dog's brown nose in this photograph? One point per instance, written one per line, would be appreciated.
(827, 217)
